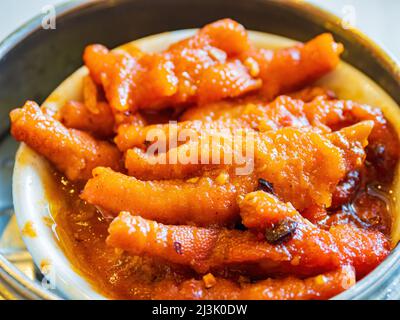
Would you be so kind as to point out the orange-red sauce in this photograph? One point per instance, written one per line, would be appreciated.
(81, 231)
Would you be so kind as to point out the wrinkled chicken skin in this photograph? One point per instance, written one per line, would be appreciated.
(73, 152)
(217, 248)
(179, 245)
(91, 95)
(363, 249)
(283, 155)
(149, 167)
(322, 113)
(205, 68)
(286, 70)
(77, 115)
(352, 141)
(312, 164)
(130, 136)
(260, 210)
(204, 152)
(320, 287)
(250, 113)
(94, 115)
(182, 74)
(383, 141)
(309, 252)
(202, 202)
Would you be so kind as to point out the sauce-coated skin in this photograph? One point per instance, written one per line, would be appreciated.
(308, 94)
(260, 210)
(202, 202)
(73, 152)
(75, 114)
(200, 153)
(250, 113)
(179, 75)
(361, 248)
(149, 167)
(123, 276)
(323, 286)
(309, 252)
(287, 154)
(325, 115)
(93, 114)
(130, 136)
(203, 140)
(383, 141)
(321, 113)
(205, 68)
(214, 249)
(312, 164)
(287, 70)
(310, 161)
(309, 216)
(181, 244)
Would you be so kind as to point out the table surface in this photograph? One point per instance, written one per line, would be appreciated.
(377, 18)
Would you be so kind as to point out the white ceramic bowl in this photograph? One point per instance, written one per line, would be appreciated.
(31, 205)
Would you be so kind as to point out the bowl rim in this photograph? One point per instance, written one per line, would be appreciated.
(385, 57)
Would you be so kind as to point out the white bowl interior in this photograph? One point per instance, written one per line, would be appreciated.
(31, 170)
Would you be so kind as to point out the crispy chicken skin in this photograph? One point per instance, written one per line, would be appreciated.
(73, 152)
